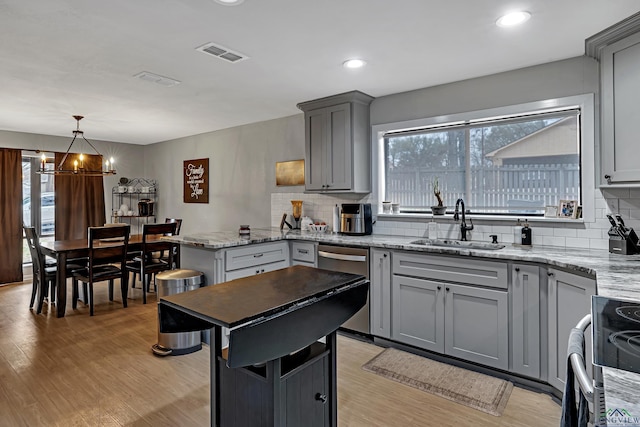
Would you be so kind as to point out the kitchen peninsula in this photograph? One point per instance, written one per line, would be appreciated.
(612, 275)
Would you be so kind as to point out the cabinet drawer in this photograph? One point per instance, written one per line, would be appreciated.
(303, 251)
(253, 255)
(252, 271)
(452, 269)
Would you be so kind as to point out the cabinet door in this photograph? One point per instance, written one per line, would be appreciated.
(306, 396)
(418, 313)
(525, 320)
(337, 169)
(316, 133)
(380, 293)
(569, 301)
(620, 114)
(477, 325)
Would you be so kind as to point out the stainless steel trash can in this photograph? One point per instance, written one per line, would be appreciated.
(173, 282)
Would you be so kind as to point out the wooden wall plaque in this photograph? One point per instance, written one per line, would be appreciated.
(196, 181)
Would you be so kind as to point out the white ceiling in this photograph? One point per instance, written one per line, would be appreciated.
(65, 57)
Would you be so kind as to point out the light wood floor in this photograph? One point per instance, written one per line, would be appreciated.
(99, 371)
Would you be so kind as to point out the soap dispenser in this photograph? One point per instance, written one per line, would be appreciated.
(517, 233)
(526, 234)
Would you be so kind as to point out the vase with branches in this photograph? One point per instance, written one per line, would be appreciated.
(440, 208)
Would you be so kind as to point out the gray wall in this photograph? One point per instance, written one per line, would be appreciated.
(569, 77)
(241, 173)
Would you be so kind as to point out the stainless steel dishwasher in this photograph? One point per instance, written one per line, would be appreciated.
(348, 260)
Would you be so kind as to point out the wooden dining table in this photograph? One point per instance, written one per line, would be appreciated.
(63, 250)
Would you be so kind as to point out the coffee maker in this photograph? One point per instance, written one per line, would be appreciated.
(356, 219)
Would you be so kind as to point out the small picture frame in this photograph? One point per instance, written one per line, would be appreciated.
(568, 209)
(550, 211)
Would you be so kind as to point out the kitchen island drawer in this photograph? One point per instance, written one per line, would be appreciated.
(303, 251)
(252, 255)
(452, 269)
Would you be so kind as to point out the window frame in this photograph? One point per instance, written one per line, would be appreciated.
(583, 102)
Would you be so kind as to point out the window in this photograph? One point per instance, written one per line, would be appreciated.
(40, 211)
(513, 164)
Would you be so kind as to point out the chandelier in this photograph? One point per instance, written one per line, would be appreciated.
(106, 168)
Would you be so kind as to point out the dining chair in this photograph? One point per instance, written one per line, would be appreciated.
(44, 277)
(106, 261)
(164, 257)
(44, 271)
(145, 264)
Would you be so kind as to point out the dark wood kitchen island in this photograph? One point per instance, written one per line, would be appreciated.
(275, 372)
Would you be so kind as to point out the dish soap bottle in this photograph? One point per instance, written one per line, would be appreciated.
(526, 234)
(432, 230)
(517, 233)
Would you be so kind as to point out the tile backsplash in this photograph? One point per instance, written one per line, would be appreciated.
(572, 234)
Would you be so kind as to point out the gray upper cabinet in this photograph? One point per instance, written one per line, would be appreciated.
(618, 50)
(337, 143)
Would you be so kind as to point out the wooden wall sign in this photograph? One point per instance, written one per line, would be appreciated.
(196, 181)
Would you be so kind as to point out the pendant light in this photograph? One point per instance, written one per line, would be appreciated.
(78, 164)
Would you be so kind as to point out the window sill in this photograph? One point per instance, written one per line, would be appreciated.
(425, 217)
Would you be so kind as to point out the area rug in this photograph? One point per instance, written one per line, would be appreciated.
(472, 389)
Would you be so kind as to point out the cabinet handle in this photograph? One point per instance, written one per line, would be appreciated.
(517, 269)
(447, 288)
(608, 178)
(303, 251)
(439, 287)
(321, 397)
(262, 271)
(257, 271)
(550, 274)
(385, 255)
(257, 255)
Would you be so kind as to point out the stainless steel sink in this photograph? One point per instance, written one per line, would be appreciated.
(459, 244)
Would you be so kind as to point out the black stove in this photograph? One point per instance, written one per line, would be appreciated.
(616, 333)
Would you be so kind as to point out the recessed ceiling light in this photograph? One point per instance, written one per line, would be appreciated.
(354, 63)
(512, 19)
(229, 2)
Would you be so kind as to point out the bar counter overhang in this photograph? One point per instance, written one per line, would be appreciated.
(271, 317)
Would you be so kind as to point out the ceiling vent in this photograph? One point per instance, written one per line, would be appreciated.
(155, 78)
(222, 52)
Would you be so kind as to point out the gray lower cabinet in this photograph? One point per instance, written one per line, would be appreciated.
(569, 300)
(525, 320)
(255, 259)
(380, 292)
(476, 325)
(303, 253)
(417, 311)
(469, 322)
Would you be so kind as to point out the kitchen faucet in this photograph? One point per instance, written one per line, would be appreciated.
(463, 225)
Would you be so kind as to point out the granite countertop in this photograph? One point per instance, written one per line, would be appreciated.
(615, 274)
(615, 277)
